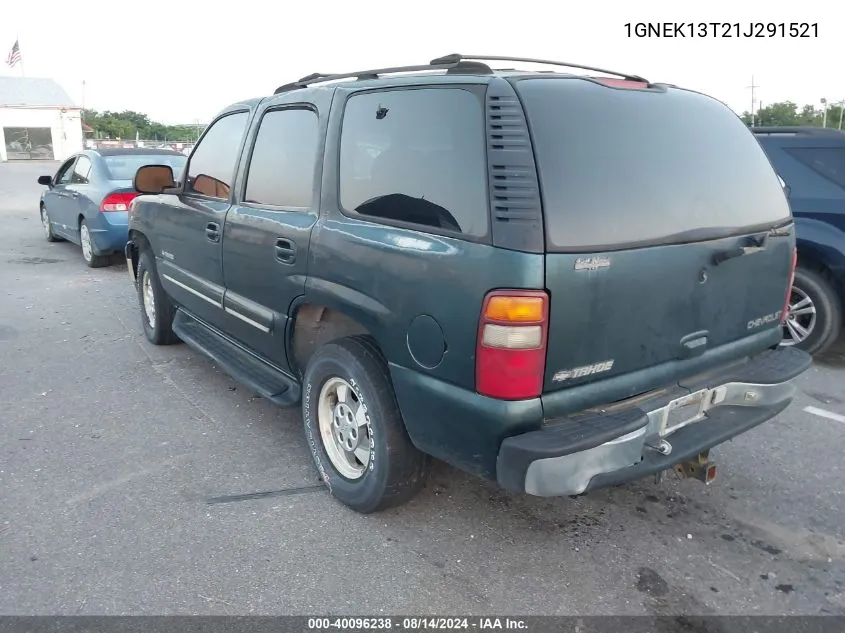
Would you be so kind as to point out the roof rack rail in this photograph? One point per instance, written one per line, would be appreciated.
(451, 67)
(457, 58)
(797, 130)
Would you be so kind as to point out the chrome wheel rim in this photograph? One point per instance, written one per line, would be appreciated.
(148, 299)
(85, 240)
(342, 419)
(45, 222)
(800, 317)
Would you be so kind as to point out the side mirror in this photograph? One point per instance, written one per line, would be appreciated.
(47, 181)
(153, 179)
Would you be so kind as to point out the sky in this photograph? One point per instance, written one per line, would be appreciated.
(183, 62)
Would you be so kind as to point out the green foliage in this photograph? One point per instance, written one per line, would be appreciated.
(125, 125)
(787, 113)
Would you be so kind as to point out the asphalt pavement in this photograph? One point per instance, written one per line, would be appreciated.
(142, 480)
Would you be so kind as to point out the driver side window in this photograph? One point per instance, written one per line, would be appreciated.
(65, 172)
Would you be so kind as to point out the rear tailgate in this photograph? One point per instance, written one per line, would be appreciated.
(659, 213)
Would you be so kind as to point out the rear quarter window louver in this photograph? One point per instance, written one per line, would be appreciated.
(516, 214)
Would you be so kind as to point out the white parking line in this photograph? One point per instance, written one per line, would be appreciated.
(825, 414)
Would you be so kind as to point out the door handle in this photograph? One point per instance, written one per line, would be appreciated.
(212, 232)
(285, 250)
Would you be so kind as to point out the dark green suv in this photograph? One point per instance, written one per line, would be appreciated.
(555, 282)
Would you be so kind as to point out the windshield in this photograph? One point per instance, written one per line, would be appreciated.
(124, 166)
(626, 168)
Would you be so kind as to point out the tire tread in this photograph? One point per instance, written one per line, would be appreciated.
(407, 467)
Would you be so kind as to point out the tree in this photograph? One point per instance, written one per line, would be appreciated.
(787, 113)
(127, 124)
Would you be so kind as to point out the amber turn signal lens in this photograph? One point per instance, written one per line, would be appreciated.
(515, 309)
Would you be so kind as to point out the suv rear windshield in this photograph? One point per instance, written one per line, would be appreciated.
(624, 168)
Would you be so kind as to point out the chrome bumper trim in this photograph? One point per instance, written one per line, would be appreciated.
(571, 474)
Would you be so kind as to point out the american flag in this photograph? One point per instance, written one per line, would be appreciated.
(14, 55)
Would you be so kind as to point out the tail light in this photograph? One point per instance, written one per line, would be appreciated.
(611, 82)
(510, 354)
(784, 313)
(117, 201)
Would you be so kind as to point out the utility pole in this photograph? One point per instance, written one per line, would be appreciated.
(83, 94)
(824, 116)
(753, 87)
(841, 109)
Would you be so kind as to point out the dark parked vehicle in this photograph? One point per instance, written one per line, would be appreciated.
(811, 162)
(86, 201)
(555, 282)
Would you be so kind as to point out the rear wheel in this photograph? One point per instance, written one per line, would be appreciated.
(814, 315)
(91, 258)
(156, 309)
(355, 430)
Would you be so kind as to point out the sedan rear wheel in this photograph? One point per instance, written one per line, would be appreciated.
(91, 258)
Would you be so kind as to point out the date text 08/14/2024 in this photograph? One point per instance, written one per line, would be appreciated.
(419, 623)
(722, 29)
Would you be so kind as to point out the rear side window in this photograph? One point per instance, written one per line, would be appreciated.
(416, 157)
(281, 170)
(827, 161)
(212, 165)
(626, 168)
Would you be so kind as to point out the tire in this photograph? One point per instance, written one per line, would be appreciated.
(813, 290)
(47, 227)
(87, 244)
(395, 471)
(157, 323)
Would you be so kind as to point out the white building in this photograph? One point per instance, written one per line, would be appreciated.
(38, 120)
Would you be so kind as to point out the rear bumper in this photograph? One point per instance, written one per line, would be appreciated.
(109, 231)
(606, 447)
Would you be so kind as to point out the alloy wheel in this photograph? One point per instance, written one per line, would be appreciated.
(85, 241)
(45, 221)
(342, 419)
(800, 318)
(148, 299)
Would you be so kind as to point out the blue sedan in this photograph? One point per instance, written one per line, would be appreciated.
(86, 202)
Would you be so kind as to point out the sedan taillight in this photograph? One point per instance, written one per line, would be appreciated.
(117, 201)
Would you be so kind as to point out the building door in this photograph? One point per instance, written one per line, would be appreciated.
(28, 143)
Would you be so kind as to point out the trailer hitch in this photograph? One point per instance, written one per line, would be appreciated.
(700, 468)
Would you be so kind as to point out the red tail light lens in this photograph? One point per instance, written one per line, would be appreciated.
(784, 313)
(510, 354)
(117, 201)
(620, 83)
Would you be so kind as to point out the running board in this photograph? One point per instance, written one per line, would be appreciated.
(242, 365)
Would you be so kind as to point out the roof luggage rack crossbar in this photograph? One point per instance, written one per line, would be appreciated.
(451, 67)
(797, 130)
(457, 57)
